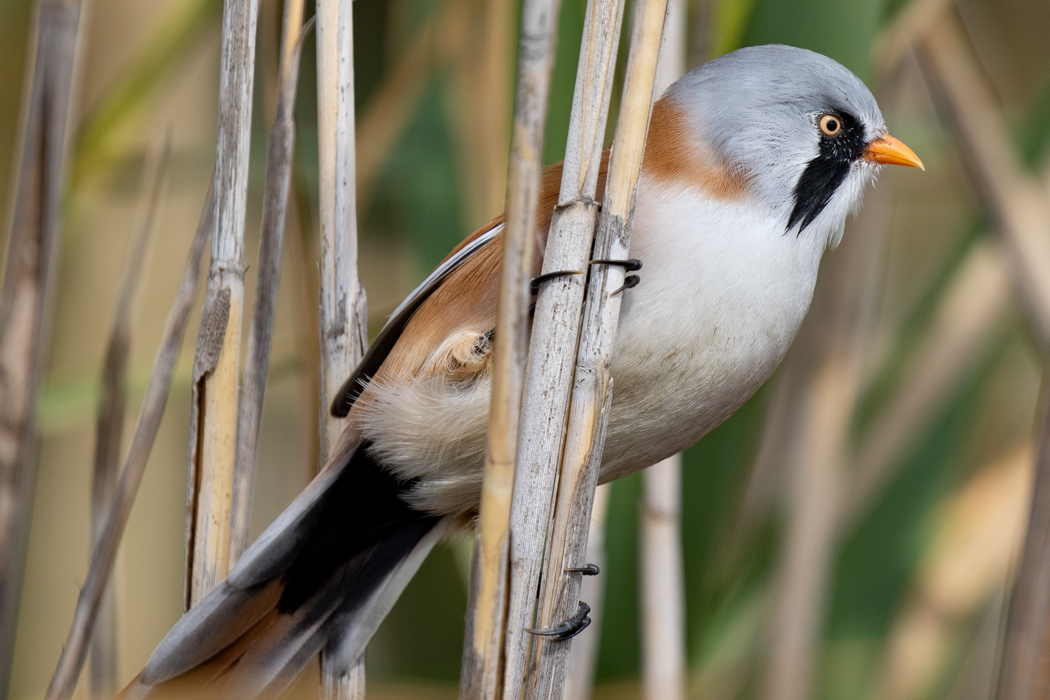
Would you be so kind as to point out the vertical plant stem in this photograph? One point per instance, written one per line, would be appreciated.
(662, 589)
(52, 69)
(592, 383)
(662, 585)
(213, 417)
(275, 204)
(109, 427)
(75, 649)
(583, 657)
(343, 324)
(556, 329)
(482, 671)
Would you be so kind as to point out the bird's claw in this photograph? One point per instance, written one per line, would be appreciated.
(535, 282)
(629, 282)
(569, 628)
(628, 265)
(586, 570)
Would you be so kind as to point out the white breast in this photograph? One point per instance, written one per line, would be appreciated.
(723, 293)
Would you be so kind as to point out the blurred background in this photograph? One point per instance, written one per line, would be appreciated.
(860, 517)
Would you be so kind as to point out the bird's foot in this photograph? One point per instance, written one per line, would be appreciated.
(629, 265)
(586, 570)
(569, 628)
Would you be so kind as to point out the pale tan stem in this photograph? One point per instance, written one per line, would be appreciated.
(662, 582)
(343, 316)
(583, 657)
(216, 366)
(482, 669)
(592, 383)
(556, 329)
(275, 201)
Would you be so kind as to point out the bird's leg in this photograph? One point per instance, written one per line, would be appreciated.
(568, 629)
(586, 570)
(629, 265)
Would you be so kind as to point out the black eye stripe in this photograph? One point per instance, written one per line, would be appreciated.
(824, 174)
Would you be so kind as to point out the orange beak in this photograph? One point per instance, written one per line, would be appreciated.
(890, 151)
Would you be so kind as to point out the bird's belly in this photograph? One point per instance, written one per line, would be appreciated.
(722, 297)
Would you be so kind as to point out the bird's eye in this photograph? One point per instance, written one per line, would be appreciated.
(830, 125)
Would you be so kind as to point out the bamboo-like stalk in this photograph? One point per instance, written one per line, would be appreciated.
(109, 427)
(592, 383)
(662, 585)
(271, 240)
(213, 417)
(583, 657)
(556, 327)
(661, 570)
(1015, 198)
(75, 649)
(343, 320)
(482, 672)
(47, 120)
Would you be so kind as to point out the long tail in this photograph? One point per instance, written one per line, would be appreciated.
(322, 576)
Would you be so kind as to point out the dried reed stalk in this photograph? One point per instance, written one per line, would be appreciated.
(343, 324)
(662, 584)
(271, 240)
(109, 428)
(47, 120)
(105, 553)
(592, 383)
(556, 329)
(661, 569)
(483, 651)
(213, 416)
(583, 657)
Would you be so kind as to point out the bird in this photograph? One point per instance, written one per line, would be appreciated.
(752, 165)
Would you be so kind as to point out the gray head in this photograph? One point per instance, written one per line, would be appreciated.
(798, 125)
